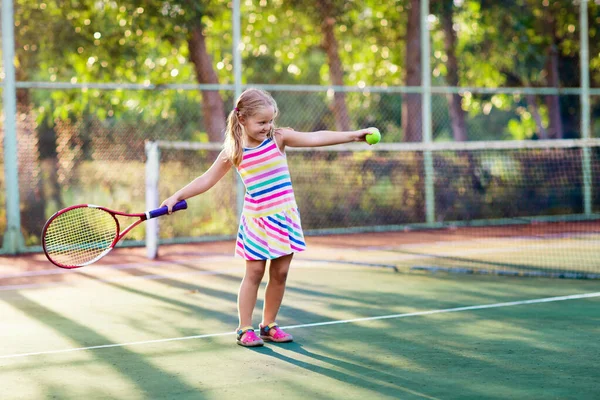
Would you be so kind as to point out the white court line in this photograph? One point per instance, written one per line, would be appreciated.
(336, 322)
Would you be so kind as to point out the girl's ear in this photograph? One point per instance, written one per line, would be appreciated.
(242, 120)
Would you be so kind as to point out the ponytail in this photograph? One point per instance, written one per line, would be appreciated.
(233, 144)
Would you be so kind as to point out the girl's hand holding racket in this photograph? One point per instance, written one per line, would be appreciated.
(81, 235)
(171, 204)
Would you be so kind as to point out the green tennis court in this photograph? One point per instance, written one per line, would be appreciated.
(163, 329)
(458, 258)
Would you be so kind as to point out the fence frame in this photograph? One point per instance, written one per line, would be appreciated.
(13, 242)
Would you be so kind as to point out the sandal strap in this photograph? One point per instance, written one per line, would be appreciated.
(243, 330)
(267, 328)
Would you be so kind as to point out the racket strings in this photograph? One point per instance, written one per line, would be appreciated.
(80, 235)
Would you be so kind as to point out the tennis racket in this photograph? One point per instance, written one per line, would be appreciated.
(81, 235)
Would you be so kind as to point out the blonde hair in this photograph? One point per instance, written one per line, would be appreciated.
(248, 104)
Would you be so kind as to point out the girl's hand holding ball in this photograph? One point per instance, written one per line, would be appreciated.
(374, 137)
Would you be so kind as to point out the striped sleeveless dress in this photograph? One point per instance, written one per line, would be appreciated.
(270, 222)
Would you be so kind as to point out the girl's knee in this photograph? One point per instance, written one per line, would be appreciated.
(279, 275)
(254, 272)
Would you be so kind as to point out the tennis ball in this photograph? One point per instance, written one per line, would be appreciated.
(374, 137)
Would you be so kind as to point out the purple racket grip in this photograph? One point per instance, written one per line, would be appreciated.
(182, 205)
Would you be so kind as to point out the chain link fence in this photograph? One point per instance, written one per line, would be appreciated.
(492, 69)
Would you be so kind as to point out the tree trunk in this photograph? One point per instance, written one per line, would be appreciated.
(336, 72)
(457, 114)
(213, 108)
(555, 128)
(411, 104)
(555, 125)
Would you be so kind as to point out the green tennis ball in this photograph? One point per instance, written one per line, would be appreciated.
(374, 137)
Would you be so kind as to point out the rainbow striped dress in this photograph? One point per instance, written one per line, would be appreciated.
(270, 222)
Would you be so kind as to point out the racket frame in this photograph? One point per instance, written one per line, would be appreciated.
(182, 205)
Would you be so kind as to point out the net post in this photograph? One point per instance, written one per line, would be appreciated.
(13, 237)
(426, 113)
(152, 199)
(585, 105)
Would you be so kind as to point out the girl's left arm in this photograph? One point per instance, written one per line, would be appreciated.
(292, 138)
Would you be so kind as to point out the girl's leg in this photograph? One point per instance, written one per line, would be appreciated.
(249, 290)
(278, 272)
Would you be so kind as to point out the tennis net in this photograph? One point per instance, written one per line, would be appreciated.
(513, 207)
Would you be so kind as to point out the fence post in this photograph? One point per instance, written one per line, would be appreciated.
(152, 199)
(584, 58)
(13, 237)
(426, 113)
(237, 83)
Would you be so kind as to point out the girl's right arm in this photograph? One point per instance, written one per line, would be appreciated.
(292, 138)
(202, 183)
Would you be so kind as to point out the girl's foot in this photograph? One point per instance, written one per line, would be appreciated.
(273, 333)
(247, 338)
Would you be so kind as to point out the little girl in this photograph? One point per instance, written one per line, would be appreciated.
(269, 226)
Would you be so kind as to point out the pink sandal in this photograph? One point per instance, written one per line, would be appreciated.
(247, 338)
(279, 335)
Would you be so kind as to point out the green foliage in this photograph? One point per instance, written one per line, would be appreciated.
(103, 42)
(145, 42)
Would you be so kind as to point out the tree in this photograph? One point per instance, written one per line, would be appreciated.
(97, 42)
(457, 115)
(411, 105)
(188, 16)
(540, 41)
(329, 12)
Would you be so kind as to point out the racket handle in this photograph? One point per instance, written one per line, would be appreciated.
(182, 205)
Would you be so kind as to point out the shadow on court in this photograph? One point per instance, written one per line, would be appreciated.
(209, 312)
(342, 371)
(146, 378)
(203, 313)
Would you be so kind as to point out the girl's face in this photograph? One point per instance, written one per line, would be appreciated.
(258, 126)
